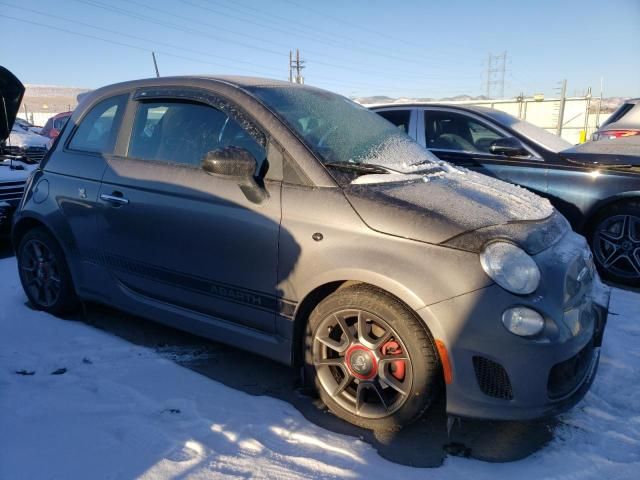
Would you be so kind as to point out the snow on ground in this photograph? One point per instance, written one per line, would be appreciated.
(122, 411)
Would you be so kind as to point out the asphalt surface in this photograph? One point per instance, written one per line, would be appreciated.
(423, 444)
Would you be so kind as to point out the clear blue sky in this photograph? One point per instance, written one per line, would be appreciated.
(356, 47)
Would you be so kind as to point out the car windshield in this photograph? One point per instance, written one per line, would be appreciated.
(536, 134)
(341, 131)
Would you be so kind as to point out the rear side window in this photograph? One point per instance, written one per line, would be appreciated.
(183, 132)
(400, 118)
(58, 123)
(98, 129)
(619, 113)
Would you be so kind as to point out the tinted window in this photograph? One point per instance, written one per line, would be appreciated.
(454, 131)
(58, 123)
(183, 132)
(400, 118)
(98, 129)
(619, 113)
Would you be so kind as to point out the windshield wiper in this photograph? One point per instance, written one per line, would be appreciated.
(360, 167)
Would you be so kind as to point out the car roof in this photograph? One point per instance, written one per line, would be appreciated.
(472, 108)
(232, 80)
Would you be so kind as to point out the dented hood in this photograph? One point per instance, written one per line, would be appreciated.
(438, 207)
(11, 93)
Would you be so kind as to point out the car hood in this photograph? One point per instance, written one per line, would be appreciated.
(437, 207)
(25, 138)
(606, 153)
(11, 93)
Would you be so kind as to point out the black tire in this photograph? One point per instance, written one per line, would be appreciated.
(421, 371)
(614, 237)
(60, 298)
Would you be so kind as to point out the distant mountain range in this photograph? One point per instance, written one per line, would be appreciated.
(60, 98)
(608, 104)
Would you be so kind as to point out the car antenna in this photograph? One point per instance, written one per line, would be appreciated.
(155, 64)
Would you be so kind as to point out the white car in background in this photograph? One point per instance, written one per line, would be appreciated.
(24, 142)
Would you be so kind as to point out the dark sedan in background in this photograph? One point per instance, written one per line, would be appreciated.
(596, 188)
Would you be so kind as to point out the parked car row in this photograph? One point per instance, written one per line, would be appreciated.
(292, 222)
(596, 186)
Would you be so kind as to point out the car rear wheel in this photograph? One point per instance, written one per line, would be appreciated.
(44, 273)
(371, 361)
(615, 241)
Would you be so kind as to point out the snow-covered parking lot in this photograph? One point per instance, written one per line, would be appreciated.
(77, 402)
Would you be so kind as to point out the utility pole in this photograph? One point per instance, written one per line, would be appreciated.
(155, 64)
(496, 70)
(563, 100)
(296, 65)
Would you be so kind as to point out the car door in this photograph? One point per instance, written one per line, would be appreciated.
(175, 234)
(464, 139)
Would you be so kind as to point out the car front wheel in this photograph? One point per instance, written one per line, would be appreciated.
(372, 362)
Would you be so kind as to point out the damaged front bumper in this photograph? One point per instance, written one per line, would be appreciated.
(502, 376)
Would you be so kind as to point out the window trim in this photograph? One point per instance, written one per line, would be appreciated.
(197, 95)
(118, 121)
(412, 129)
(491, 126)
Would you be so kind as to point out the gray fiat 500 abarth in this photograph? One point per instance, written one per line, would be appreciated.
(292, 222)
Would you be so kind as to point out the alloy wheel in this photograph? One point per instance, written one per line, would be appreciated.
(40, 272)
(617, 245)
(362, 363)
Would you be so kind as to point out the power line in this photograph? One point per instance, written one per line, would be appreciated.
(170, 54)
(139, 16)
(142, 39)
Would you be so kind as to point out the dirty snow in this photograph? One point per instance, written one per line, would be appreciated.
(116, 410)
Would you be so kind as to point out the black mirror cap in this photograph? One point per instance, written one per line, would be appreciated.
(230, 161)
(509, 146)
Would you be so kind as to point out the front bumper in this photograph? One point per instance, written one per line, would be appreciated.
(6, 213)
(501, 376)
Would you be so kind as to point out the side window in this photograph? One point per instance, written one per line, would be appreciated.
(58, 123)
(98, 129)
(459, 132)
(400, 118)
(183, 132)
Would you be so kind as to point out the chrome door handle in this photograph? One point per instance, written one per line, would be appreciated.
(116, 200)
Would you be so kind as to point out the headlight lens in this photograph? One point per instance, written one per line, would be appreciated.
(510, 267)
(523, 321)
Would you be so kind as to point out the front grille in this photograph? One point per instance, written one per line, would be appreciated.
(565, 376)
(492, 378)
(11, 191)
(34, 154)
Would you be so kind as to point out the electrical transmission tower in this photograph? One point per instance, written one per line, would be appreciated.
(496, 69)
(295, 64)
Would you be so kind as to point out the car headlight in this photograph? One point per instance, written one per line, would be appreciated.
(510, 267)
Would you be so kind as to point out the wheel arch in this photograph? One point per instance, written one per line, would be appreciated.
(319, 292)
(602, 205)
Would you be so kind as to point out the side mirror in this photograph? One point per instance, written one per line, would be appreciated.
(230, 161)
(508, 146)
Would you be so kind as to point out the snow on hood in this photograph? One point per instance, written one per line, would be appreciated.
(24, 138)
(440, 206)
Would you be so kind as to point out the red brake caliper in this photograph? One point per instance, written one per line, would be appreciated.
(397, 367)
